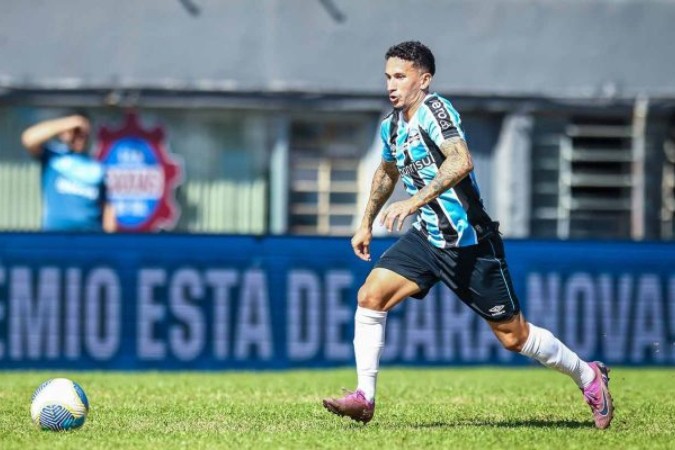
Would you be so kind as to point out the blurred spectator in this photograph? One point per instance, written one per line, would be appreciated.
(73, 183)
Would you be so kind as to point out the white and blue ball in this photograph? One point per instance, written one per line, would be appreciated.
(59, 404)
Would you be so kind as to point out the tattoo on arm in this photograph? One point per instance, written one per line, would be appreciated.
(457, 165)
(384, 182)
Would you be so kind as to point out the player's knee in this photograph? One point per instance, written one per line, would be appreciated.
(513, 342)
(371, 297)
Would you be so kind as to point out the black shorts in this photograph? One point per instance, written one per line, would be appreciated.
(477, 274)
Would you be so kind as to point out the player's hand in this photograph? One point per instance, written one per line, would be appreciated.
(79, 124)
(397, 212)
(361, 243)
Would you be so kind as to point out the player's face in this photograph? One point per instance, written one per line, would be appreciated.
(76, 139)
(406, 84)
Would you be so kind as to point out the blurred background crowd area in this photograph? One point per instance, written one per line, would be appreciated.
(273, 106)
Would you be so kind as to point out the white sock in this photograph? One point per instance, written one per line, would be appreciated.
(369, 328)
(542, 346)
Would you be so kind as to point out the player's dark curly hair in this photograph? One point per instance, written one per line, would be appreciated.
(415, 52)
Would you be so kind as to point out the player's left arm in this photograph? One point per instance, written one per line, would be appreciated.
(457, 165)
(109, 218)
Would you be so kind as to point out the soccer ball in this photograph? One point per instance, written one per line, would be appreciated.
(59, 404)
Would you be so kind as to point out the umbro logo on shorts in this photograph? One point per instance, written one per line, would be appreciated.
(496, 309)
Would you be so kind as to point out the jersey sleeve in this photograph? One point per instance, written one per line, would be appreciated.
(52, 148)
(387, 153)
(441, 120)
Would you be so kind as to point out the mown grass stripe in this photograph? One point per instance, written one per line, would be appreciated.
(467, 408)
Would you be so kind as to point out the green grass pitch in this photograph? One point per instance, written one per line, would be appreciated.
(481, 408)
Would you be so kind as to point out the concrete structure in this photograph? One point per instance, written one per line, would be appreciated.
(527, 48)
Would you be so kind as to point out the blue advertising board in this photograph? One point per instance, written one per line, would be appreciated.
(134, 302)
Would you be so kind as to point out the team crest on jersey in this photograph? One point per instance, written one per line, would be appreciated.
(412, 139)
(141, 176)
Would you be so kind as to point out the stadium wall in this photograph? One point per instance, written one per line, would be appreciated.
(175, 302)
(618, 49)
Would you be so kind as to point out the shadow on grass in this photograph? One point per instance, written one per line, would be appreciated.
(506, 424)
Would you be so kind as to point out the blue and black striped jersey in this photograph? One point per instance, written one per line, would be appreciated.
(457, 216)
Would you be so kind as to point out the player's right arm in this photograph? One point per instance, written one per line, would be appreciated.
(384, 182)
(34, 137)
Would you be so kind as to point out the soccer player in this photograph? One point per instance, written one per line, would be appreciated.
(453, 240)
(73, 183)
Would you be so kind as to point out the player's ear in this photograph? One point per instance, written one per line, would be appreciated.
(425, 80)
